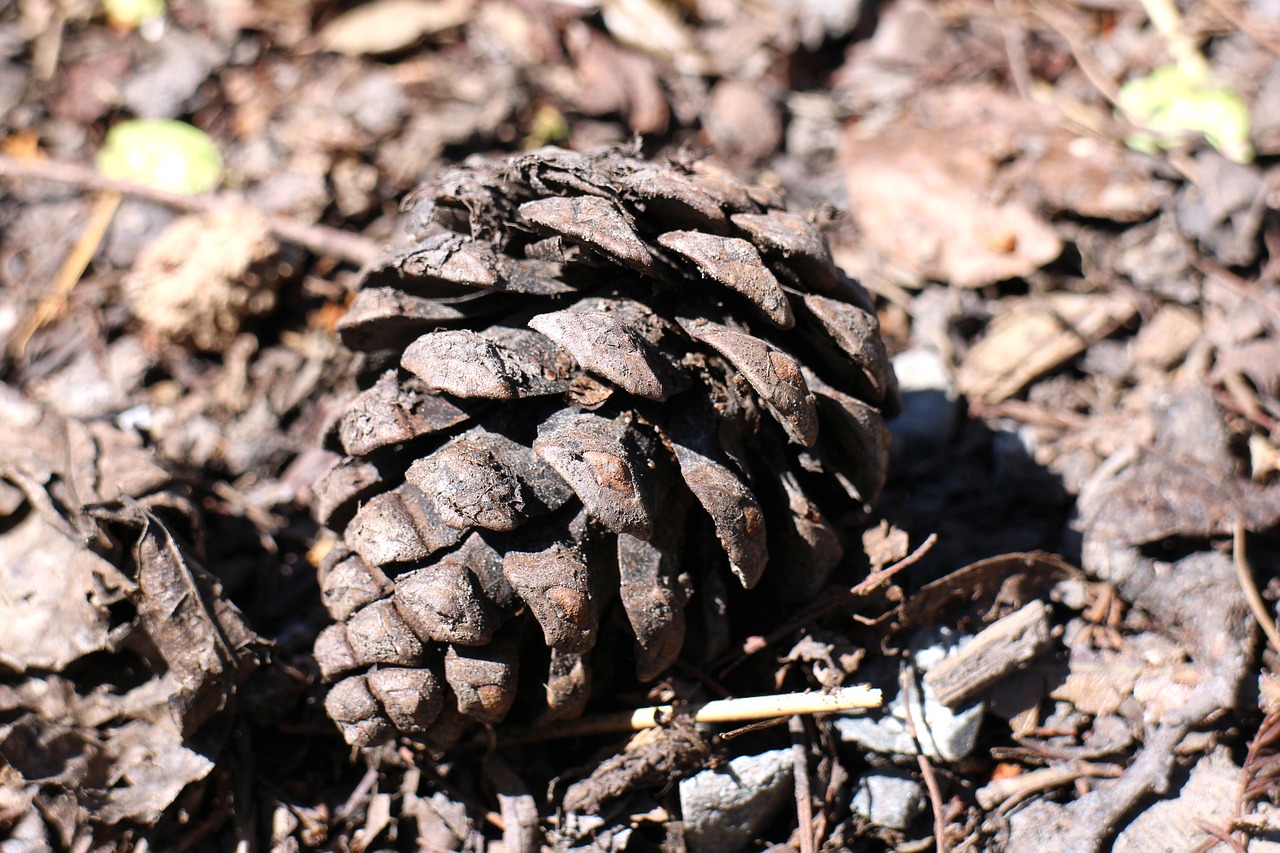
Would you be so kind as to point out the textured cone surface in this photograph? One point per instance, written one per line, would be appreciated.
(604, 386)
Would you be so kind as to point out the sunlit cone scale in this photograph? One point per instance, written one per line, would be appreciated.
(606, 384)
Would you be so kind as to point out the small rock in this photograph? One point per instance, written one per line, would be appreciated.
(928, 404)
(944, 735)
(891, 800)
(724, 809)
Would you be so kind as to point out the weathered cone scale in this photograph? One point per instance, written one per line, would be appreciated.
(619, 382)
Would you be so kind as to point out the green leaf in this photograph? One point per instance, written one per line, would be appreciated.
(161, 153)
(133, 13)
(1169, 104)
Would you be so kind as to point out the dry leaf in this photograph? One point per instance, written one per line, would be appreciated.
(922, 191)
(52, 610)
(385, 26)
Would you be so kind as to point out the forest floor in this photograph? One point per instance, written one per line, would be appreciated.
(1068, 213)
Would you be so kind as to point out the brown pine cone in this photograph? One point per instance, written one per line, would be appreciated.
(604, 380)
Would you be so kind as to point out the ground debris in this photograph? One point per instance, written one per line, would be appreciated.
(725, 808)
(193, 282)
(649, 760)
(126, 591)
(1005, 645)
(1035, 337)
(920, 191)
(1109, 316)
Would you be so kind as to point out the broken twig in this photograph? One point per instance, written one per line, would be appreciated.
(320, 239)
(854, 698)
(1245, 574)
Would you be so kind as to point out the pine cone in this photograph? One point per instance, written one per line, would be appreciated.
(603, 380)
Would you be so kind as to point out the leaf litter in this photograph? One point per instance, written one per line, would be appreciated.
(1109, 318)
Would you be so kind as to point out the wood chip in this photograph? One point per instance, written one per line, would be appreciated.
(1036, 336)
(998, 650)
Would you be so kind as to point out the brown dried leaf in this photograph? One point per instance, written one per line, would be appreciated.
(775, 376)
(921, 190)
(606, 462)
(1036, 336)
(56, 592)
(734, 263)
(611, 80)
(1090, 178)
(202, 637)
(1160, 496)
(150, 768)
(741, 122)
(387, 26)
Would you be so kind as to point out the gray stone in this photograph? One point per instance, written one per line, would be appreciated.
(725, 809)
(891, 800)
(944, 734)
(929, 408)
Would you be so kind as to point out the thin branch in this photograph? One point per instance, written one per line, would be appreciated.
(320, 239)
(747, 708)
(800, 772)
(926, 769)
(829, 603)
(1245, 575)
(1015, 50)
(54, 303)
(1167, 20)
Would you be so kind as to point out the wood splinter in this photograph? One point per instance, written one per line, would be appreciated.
(859, 697)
